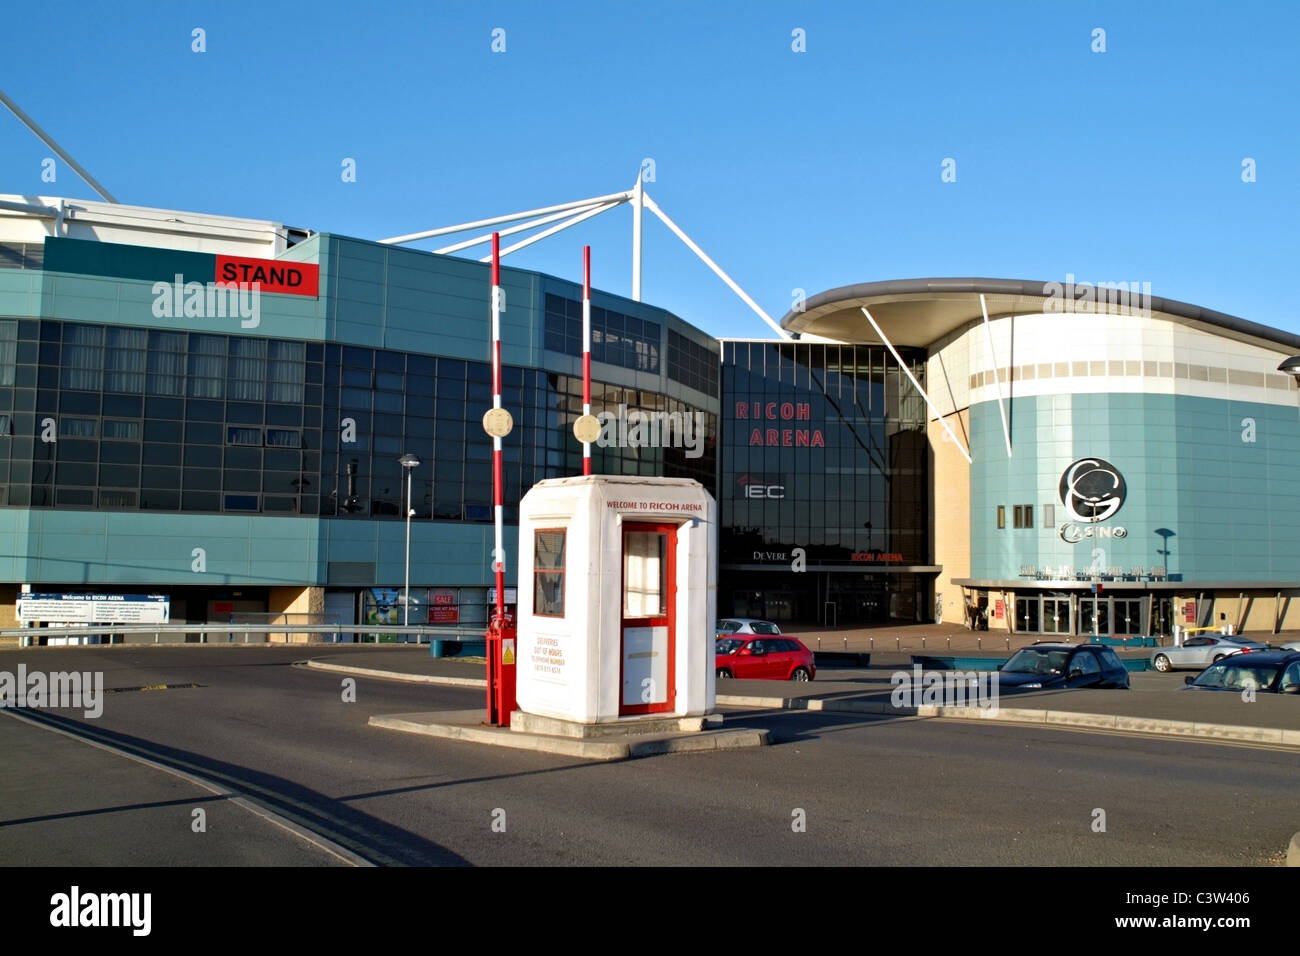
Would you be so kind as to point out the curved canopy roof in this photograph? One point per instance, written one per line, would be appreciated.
(921, 312)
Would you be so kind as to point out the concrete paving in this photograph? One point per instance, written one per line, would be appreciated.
(468, 725)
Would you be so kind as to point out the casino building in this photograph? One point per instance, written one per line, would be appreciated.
(160, 433)
(1066, 459)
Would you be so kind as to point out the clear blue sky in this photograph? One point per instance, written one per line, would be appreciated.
(810, 170)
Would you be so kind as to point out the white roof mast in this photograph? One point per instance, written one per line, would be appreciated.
(570, 214)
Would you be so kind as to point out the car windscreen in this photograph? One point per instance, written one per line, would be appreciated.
(1032, 660)
(728, 627)
(728, 645)
(1237, 674)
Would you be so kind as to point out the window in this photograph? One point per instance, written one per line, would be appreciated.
(1023, 516)
(126, 354)
(166, 364)
(283, 438)
(116, 429)
(548, 573)
(645, 578)
(8, 351)
(1084, 663)
(1291, 677)
(83, 357)
(1049, 515)
(78, 427)
(1002, 517)
(243, 436)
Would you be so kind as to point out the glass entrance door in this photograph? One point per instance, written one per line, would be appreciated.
(1128, 616)
(649, 641)
(1056, 615)
(1094, 616)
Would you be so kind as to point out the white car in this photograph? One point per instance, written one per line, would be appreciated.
(1202, 651)
(727, 626)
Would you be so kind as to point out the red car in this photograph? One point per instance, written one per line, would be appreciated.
(773, 658)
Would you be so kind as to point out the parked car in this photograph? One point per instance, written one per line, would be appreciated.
(773, 658)
(1197, 652)
(745, 625)
(1270, 672)
(1045, 665)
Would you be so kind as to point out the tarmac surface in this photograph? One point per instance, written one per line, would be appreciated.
(295, 744)
(1153, 697)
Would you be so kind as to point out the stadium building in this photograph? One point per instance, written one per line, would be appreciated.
(1038, 457)
(161, 433)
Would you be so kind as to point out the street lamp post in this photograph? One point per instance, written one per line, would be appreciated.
(410, 463)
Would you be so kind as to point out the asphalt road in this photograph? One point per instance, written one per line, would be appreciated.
(882, 791)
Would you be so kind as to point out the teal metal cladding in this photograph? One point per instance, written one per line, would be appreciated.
(1213, 486)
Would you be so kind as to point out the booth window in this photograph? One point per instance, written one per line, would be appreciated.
(548, 573)
(1002, 517)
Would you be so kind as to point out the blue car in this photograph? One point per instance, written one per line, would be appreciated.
(1268, 672)
(1047, 666)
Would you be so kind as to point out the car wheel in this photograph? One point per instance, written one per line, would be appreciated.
(1162, 663)
(800, 673)
(723, 673)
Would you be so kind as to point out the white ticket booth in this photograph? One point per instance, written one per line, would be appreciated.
(617, 596)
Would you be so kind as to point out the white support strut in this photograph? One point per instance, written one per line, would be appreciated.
(522, 227)
(997, 377)
(513, 217)
(558, 227)
(744, 296)
(917, 385)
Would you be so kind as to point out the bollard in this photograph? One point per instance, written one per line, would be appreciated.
(819, 645)
(950, 643)
(979, 642)
(873, 643)
(897, 644)
(922, 642)
(1008, 643)
(846, 645)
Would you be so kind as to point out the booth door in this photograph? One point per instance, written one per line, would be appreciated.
(649, 641)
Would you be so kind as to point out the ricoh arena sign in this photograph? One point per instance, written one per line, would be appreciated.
(794, 437)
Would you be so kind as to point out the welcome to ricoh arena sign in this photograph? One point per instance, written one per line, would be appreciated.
(1092, 490)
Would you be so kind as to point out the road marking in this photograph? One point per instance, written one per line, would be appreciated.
(315, 839)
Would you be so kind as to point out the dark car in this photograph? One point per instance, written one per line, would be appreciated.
(1267, 672)
(1045, 666)
(775, 658)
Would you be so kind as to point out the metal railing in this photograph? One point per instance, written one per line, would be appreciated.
(229, 633)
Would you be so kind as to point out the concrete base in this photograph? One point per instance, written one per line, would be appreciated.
(467, 725)
(525, 723)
